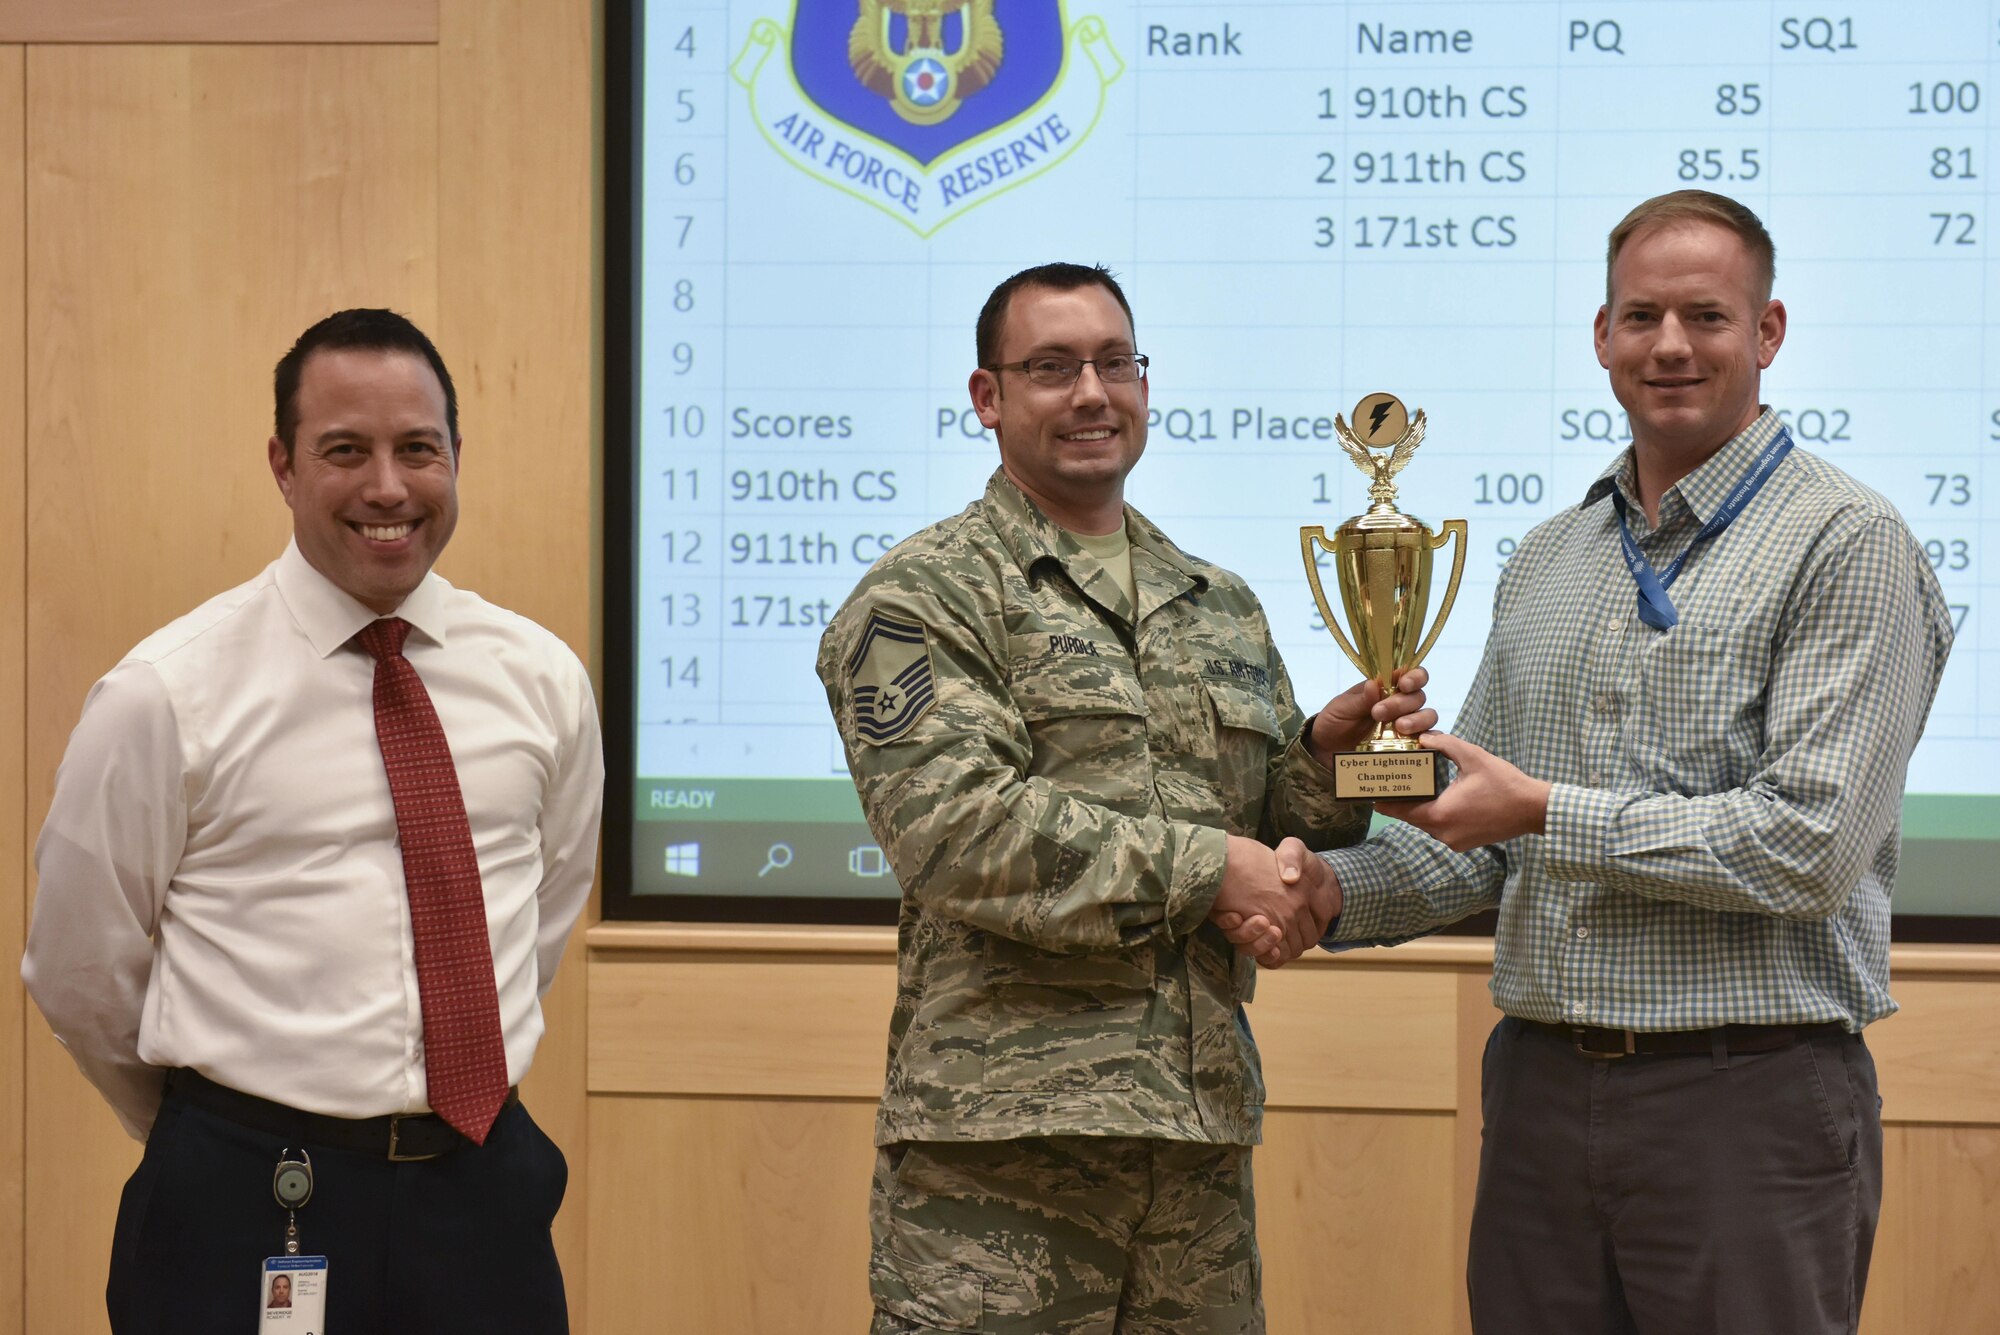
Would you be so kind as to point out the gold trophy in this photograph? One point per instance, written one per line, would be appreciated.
(1383, 560)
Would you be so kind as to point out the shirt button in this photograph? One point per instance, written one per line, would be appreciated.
(1604, 702)
(1576, 1008)
(1583, 933)
(1597, 778)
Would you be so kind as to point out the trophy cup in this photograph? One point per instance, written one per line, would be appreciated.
(1383, 560)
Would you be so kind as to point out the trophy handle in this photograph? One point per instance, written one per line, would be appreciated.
(1316, 533)
(1450, 527)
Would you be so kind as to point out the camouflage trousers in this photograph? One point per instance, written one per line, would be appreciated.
(1065, 1235)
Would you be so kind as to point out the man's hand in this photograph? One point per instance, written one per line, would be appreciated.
(1350, 717)
(1489, 801)
(1272, 940)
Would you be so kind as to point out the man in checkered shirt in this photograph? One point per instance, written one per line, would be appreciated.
(1681, 782)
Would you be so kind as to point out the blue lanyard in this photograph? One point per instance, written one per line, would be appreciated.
(1655, 608)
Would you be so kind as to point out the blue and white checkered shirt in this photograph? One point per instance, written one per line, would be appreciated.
(1724, 826)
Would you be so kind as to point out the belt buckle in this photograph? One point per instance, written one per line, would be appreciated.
(395, 1131)
(1631, 1046)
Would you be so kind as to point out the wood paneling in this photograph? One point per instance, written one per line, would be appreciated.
(518, 324)
(13, 684)
(807, 1028)
(1354, 1216)
(1937, 1254)
(1476, 1017)
(1939, 1057)
(1363, 1215)
(729, 1216)
(219, 21)
(749, 1217)
(813, 1028)
(190, 210)
(1357, 1038)
(516, 268)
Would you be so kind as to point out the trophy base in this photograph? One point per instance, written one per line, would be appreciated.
(1387, 776)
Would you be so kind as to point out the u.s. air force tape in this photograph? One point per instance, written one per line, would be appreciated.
(889, 674)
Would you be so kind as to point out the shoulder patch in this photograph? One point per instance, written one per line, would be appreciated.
(889, 673)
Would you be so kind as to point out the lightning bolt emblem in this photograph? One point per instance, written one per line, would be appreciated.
(1378, 413)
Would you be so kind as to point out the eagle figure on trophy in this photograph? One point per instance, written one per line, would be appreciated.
(1388, 428)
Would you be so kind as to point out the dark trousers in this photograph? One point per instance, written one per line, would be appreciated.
(459, 1243)
(1674, 1195)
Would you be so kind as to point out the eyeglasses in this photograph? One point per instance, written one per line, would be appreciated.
(1053, 372)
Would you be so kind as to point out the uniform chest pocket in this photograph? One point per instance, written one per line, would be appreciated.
(1247, 734)
(1700, 715)
(1086, 722)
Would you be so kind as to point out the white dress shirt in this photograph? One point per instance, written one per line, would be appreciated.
(220, 881)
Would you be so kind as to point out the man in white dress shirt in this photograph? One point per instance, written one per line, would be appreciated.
(236, 930)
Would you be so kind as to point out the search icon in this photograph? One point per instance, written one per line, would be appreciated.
(777, 858)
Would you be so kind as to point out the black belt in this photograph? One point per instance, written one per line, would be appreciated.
(1594, 1041)
(400, 1136)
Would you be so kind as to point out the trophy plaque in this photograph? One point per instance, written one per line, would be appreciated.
(1383, 563)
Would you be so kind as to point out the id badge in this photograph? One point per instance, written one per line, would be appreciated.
(291, 1295)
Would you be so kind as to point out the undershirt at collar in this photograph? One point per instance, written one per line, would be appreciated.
(1114, 552)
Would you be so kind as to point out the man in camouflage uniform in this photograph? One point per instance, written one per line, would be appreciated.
(1075, 743)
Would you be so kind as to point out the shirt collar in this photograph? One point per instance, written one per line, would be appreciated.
(330, 616)
(1705, 489)
(1032, 536)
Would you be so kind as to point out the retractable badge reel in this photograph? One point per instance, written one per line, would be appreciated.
(291, 1290)
(292, 1184)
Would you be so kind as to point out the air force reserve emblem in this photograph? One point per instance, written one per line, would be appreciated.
(889, 677)
(897, 49)
(926, 108)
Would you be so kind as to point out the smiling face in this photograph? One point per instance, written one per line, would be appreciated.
(1686, 337)
(372, 477)
(1068, 448)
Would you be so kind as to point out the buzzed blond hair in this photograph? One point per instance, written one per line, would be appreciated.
(1698, 206)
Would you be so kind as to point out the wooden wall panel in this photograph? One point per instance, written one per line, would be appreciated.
(1939, 1057)
(814, 1028)
(1354, 1219)
(1356, 1038)
(729, 1216)
(1476, 1017)
(219, 21)
(189, 210)
(13, 686)
(515, 167)
(1363, 1214)
(516, 273)
(807, 1028)
(1937, 1254)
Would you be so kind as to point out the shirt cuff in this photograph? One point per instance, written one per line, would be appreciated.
(1197, 878)
(1576, 846)
(1366, 887)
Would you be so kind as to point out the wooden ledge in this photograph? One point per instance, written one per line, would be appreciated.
(685, 938)
(682, 938)
(1464, 952)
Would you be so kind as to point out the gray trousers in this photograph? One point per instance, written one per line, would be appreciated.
(1674, 1195)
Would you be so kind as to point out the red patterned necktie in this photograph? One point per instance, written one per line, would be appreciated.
(465, 1061)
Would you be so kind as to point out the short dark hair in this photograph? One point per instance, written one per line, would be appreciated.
(366, 328)
(1698, 206)
(1061, 277)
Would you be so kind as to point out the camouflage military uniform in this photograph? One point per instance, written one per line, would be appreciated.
(1052, 776)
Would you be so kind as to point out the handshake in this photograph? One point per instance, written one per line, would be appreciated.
(1274, 904)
